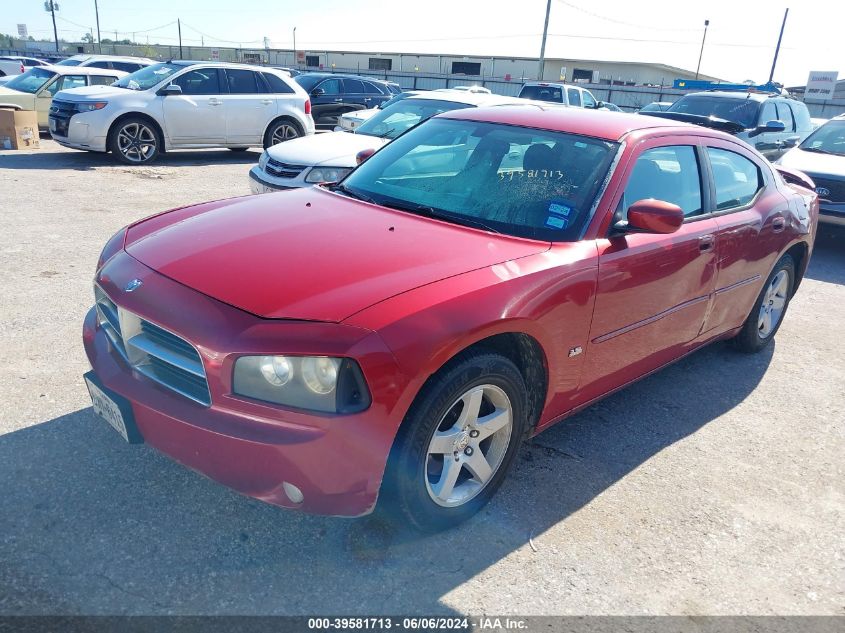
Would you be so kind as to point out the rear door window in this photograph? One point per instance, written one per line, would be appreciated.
(102, 80)
(736, 178)
(574, 97)
(353, 86)
(242, 82)
(100, 64)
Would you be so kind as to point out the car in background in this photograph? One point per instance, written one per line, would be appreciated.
(655, 106)
(387, 343)
(612, 107)
(331, 156)
(769, 122)
(35, 89)
(13, 65)
(473, 88)
(333, 95)
(565, 94)
(822, 157)
(293, 72)
(818, 122)
(352, 120)
(182, 105)
(116, 62)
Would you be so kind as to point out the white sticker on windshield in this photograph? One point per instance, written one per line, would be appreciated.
(134, 85)
(162, 71)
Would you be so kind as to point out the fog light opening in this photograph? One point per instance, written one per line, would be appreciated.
(293, 493)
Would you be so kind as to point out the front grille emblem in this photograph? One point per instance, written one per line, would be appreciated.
(133, 285)
(822, 191)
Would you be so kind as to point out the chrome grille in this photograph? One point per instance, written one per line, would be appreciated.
(283, 170)
(152, 351)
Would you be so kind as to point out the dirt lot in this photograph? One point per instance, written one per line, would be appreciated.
(713, 487)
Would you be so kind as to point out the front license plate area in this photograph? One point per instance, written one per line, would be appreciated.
(113, 408)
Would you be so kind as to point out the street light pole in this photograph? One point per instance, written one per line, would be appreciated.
(701, 54)
(52, 8)
(777, 50)
(294, 46)
(543, 45)
(97, 13)
(179, 26)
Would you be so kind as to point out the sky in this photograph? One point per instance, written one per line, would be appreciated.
(739, 45)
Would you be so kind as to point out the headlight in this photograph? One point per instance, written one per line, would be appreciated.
(327, 174)
(90, 107)
(112, 247)
(316, 383)
(262, 162)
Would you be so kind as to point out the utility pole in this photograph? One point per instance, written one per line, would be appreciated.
(179, 26)
(777, 50)
(97, 13)
(703, 37)
(543, 45)
(52, 7)
(294, 46)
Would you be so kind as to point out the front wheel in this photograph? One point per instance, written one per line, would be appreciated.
(456, 444)
(135, 141)
(281, 131)
(767, 314)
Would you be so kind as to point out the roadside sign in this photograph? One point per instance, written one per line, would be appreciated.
(22, 32)
(821, 85)
(215, 54)
(300, 57)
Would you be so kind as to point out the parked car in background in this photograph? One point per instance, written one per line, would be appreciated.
(822, 157)
(388, 342)
(655, 106)
(13, 65)
(293, 72)
(182, 105)
(566, 94)
(333, 95)
(476, 89)
(769, 122)
(117, 62)
(818, 122)
(612, 107)
(35, 89)
(352, 120)
(329, 157)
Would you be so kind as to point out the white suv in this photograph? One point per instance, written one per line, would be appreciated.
(116, 62)
(182, 105)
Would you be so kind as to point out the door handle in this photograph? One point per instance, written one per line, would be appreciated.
(338, 100)
(778, 224)
(705, 243)
(267, 101)
(215, 102)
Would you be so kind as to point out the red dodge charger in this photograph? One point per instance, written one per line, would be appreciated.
(387, 342)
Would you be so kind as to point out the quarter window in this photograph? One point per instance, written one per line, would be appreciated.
(574, 97)
(736, 178)
(277, 84)
(670, 174)
(199, 82)
(371, 88)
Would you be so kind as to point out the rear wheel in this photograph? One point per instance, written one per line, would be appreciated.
(281, 131)
(767, 314)
(135, 141)
(456, 444)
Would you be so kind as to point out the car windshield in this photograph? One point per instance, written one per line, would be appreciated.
(503, 178)
(69, 62)
(739, 110)
(32, 80)
(828, 139)
(148, 77)
(403, 115)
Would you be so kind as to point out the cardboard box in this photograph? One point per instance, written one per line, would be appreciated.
(18, 129)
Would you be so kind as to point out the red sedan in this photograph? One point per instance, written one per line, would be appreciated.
(394, 338)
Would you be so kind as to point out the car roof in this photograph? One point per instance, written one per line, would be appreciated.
(727, 94)
(478, 99)
(346, 76)
(84, 70)
(211, 64)
(611, 126)
(117, 58)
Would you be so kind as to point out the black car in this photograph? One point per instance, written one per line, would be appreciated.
(334, 94)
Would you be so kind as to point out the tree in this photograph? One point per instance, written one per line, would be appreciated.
(88, 38)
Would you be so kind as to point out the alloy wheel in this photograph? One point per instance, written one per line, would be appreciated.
(136, 142)
(282, 133)
(773, 305)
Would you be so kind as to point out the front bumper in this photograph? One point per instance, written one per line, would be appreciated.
(337, 462)
(260, 182)
(78, 131)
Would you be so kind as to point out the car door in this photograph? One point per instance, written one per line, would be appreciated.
(789, 138)
(751, 217)
(196, 116)
(653, 290)
(248, 107)
(574, 97)
(374, 97)
(767, 143)
(45, 96)
(354, 95)
(325, 97)
(589, 101)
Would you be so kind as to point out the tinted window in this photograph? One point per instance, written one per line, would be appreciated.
(574, 97)
(371, 88)
(331, 86)
(241, 82)
(199, 82)
(542, 93)
(31, 62)
(768, 113)
(785, 115)
(127, 67)
(353, 86)
(670, 174)
(736, 178)
(101, 80)
(277, 84)
(100, 64)
(739, 110)
(69, 62)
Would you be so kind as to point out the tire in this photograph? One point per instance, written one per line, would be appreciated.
(435, 476)
(135, 141)
(769, 309)
(281, 131)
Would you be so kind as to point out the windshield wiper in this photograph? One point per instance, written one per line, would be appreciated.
(437, 214)
(383, 135)
(818, 150)
(351, 193)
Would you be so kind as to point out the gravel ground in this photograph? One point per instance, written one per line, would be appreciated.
(713, 487)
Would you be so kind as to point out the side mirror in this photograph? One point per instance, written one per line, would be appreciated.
(170, 90)
(599, 105)
(318, 92)
(363, 155)
(651, 216)
(771, 126)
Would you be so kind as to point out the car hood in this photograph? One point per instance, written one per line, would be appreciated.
(814, 163)
(311, 254)
(15, 97)
(361, 114)
(94, 93)
(336, 149)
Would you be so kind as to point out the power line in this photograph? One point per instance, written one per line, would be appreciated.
(220, 39)
(622, 22)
